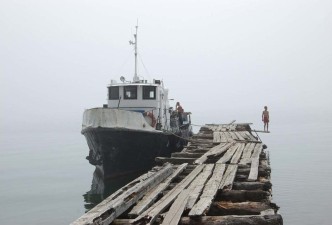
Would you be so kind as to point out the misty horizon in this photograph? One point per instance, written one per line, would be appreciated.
(221, 60)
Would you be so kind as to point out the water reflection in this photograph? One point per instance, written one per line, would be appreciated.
(101, 189)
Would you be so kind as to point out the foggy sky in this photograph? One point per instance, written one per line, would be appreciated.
(222, 60)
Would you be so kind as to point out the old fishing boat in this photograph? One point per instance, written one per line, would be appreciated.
(135, 126)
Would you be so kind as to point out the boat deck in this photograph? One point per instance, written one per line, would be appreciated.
(221, 177)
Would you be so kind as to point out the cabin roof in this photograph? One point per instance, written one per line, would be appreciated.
(132, 84)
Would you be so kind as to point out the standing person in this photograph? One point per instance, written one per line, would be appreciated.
(180, 110)
(266, 119)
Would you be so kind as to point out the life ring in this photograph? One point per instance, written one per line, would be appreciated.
(152, 118)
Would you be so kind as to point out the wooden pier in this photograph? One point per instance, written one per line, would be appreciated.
(221, 177)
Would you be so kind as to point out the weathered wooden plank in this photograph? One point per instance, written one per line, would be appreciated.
(255, 163)
(196, 187)
(150, 197)
(239, 136)
(228, 178)
(120, 201)
(237, 155)
(229, 154)
(223, 137)
(198, 151)
(245, 159)
(252, 138)
(187, 154)
(214, 152)
(209, 192)
(174, 214)
(174, 160)
(244, 136)
(149, 216)
(261, 131)
(228, 136)
(233, 135)
(216, 137)
(257, 151)
(262, 171)
(275, 219)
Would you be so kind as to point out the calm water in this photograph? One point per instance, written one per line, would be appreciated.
(45, 179)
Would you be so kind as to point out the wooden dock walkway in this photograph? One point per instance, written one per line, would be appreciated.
(221, 177)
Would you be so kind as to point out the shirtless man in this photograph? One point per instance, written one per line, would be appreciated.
(180, 111)
(266, 119)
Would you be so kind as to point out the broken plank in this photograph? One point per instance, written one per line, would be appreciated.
(149, 198)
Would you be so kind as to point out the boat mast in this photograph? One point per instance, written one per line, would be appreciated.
(136, 79)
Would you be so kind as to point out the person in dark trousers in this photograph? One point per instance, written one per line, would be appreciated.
(266, 119)
(180, 111)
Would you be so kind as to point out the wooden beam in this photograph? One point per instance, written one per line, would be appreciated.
(243, 195)
(234, 220)
(264, 186)
(240, 208)
(121, 222)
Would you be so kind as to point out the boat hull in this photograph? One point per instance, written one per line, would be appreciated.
(116, 152)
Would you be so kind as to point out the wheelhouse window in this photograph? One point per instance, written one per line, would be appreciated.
(113, 93)
(149, 92)
(130, 92)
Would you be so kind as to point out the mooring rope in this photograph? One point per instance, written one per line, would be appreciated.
(186, 139)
